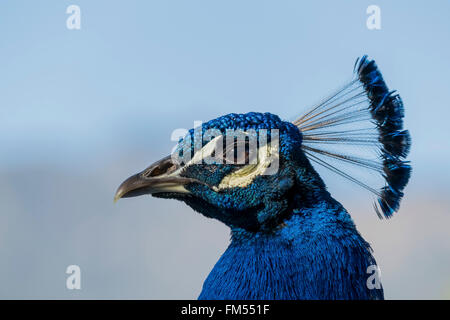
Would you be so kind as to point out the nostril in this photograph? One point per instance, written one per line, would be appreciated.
(163, 167)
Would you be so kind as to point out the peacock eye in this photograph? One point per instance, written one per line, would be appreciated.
(237, 153)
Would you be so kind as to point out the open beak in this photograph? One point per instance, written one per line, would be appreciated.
(162, 176)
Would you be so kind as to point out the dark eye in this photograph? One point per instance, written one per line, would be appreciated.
(237, 153)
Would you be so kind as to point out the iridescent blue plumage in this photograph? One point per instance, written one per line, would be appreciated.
(316, 254)
(289, 238)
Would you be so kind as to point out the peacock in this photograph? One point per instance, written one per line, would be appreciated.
(290, 239)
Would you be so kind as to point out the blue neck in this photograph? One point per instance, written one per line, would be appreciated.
(317, 253)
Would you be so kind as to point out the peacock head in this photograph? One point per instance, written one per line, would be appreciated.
(241, 169)
(251, 170)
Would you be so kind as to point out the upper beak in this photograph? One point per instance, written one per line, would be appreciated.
(162, 176)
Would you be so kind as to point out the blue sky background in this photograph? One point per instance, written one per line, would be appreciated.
(80, 110)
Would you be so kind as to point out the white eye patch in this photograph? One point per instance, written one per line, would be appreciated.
(204, 155)
(268, 160)
(200, 156)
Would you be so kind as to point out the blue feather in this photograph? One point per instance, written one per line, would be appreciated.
(318, 254)
(388, 112)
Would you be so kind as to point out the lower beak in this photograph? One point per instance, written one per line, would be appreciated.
(160, 177)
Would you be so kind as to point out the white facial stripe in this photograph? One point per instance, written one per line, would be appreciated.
(245, 176)
(201, 154)
(206, 151)
(268, 159)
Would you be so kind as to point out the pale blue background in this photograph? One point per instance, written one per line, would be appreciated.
(80, 110)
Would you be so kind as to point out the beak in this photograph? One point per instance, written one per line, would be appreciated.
(162, 176)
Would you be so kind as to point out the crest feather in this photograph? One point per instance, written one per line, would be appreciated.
(362, 114)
